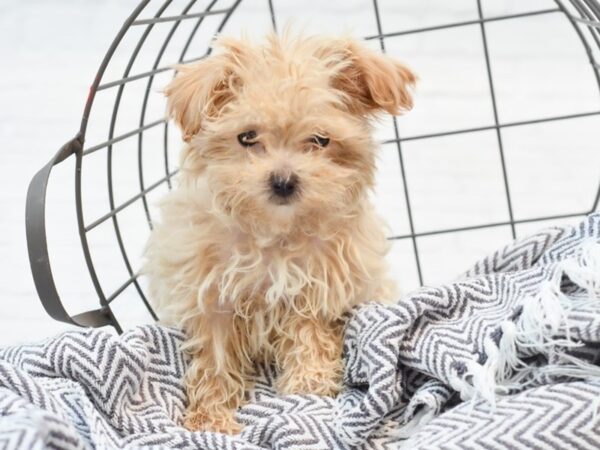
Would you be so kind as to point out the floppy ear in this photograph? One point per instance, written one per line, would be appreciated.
(372, 81)
(200, 91)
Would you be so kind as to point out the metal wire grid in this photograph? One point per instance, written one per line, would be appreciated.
(584, 15)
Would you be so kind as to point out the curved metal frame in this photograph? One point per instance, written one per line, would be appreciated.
(36, 195)
(589, 20)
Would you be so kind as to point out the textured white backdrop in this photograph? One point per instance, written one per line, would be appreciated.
(52, 48)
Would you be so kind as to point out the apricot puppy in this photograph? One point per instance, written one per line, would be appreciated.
(269, 237)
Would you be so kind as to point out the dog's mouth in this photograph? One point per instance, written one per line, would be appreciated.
(282, 201)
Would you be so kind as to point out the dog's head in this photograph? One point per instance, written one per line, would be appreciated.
(281, 131)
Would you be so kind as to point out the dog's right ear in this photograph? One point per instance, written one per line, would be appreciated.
(200, 91)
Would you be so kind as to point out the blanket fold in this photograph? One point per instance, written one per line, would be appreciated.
(507, 356)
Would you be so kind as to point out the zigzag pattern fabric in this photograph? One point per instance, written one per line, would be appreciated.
(505, 357)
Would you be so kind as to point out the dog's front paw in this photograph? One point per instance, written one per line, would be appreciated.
(323, 380)
(220, 421)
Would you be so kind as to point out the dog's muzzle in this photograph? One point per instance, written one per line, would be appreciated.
(283, 187)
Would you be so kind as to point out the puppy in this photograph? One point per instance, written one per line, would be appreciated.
(269, 237)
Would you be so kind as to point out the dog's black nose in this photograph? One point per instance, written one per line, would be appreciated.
(283, 186)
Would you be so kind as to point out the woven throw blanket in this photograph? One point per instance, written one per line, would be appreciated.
(505, 357)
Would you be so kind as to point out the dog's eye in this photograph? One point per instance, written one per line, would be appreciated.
(247, 138)
(321, 141)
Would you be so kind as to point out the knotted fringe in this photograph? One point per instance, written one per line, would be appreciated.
(418, 419)
(542, 329)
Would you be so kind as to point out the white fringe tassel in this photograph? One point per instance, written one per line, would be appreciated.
(417, 421)
(542, 319)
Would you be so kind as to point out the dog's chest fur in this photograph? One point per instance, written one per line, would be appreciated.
(200, 266)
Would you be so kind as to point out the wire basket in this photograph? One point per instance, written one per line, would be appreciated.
(122, 146)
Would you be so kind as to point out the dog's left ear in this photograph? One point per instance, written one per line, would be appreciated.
(373, 82)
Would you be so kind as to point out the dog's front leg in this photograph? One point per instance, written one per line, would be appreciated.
(216, 377)
(309, 356)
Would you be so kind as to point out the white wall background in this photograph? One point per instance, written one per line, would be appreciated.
(52, 48)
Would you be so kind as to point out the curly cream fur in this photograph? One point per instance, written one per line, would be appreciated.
(250, 279)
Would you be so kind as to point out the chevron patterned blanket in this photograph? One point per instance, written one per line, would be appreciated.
(505, 357)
